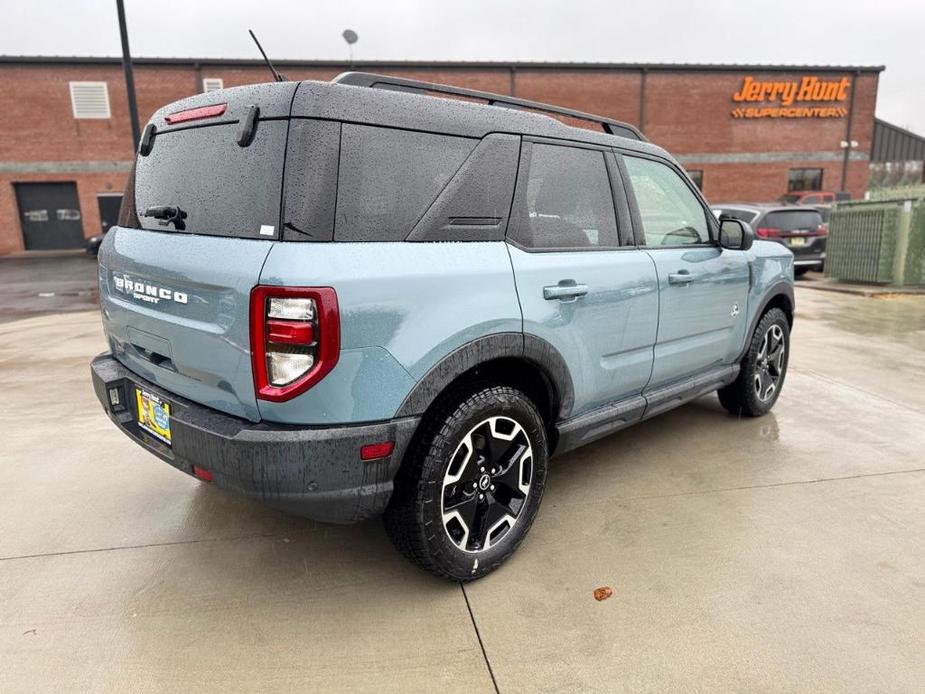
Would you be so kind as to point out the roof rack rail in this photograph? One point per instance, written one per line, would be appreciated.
(369, 79)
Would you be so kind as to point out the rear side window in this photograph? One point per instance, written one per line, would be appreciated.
(792, 220)
(563, 199)
(224, 189)
(671, 214)
(389, 178)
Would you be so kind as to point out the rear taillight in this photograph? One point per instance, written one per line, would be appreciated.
(822, 230)
(767, 232)
(295, 339)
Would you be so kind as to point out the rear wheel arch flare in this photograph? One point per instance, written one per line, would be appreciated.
(524, 361)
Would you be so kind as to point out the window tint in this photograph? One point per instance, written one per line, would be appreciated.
(671, 213)
(564, 200)
(388, 179)
(225, 189)
(792, 220)
(812, 199)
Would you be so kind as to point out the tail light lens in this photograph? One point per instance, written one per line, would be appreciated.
(768, 232)
(295, 339)
(822, 230)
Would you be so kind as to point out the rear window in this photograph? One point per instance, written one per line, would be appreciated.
(388, 178)
(746, 216)
(792, 220)
(224, 189)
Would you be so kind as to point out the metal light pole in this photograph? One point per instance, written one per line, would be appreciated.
(129, 77)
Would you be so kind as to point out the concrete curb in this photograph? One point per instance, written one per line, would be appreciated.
(860, 289)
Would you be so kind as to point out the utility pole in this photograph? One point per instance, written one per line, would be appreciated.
(129, 77)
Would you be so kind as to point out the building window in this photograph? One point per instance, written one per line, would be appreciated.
(90, 99)
(211, 84)
(804, 179)
(696, 176)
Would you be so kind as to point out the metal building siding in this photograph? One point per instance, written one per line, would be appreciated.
(892, 143)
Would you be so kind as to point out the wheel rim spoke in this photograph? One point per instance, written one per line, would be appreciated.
(769, 363)
(487, 483)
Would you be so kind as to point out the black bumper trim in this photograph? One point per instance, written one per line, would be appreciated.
(311, 471)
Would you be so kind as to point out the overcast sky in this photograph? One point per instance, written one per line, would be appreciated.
(833, 32)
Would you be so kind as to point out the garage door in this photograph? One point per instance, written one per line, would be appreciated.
(50, 216)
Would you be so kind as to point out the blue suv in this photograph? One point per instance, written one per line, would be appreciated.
(378, 296)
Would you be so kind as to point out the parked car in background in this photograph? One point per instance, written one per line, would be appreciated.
(814, 197)
(94, 242)
(802, 229)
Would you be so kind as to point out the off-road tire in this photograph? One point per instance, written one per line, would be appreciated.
(414, 519)
(741, 397)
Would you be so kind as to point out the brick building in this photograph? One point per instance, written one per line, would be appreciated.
(742, 132)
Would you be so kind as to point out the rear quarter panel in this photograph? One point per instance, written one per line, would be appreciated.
(403, 306)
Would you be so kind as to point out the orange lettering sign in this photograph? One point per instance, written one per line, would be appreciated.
(779, 98)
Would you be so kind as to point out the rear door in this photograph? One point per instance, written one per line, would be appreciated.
(109, 205)
(175, 292)
(582, 284)
(703, 288)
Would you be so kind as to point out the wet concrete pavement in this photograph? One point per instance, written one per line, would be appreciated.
(33, 284)
(780, 554)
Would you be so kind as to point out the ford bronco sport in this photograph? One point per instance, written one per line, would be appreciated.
(382, 296)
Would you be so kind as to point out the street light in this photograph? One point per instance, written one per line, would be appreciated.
(350, 36)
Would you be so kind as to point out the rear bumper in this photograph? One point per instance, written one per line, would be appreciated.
(314, 472)
(809, 260)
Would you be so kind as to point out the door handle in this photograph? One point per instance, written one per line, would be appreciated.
(566, 290)
(681, 277)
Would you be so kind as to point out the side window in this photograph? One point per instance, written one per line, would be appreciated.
(564, 200)
(671, 214)
(388, 178)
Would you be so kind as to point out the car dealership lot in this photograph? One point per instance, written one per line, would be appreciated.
(785, 553)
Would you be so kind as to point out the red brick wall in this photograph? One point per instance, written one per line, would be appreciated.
(687, 112)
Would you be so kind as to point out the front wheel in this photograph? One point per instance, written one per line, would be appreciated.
(470, 489)
(763, 368)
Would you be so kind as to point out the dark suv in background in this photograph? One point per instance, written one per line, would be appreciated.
(801, 229)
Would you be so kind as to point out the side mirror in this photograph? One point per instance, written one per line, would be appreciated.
(735, 234)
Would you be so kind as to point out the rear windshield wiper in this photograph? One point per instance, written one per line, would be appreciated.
(168, 214)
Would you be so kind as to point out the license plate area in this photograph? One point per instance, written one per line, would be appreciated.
(797, 242)
(152, 414)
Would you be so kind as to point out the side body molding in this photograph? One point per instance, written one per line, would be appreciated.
(529, 348)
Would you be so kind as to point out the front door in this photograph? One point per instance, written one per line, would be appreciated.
(703, 288)
(109, 204)
(50, 216)
(590, 296)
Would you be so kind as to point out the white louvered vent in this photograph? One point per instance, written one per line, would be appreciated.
(90, 100)
(211, 84)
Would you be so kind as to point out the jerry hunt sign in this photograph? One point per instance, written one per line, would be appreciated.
(810, 97)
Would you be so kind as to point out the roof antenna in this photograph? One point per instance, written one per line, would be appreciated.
(276, 75)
